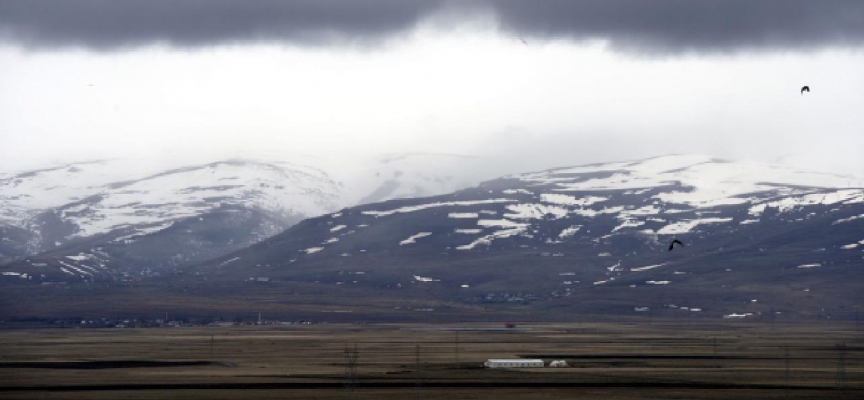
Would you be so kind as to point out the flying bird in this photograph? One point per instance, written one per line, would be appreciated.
(674, 242)
(805, 89)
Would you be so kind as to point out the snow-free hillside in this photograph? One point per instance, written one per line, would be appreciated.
(747, 229)
(123, 203)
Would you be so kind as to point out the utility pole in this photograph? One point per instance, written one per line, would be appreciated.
(417, 369)
(856, 317)
(715, 352)
(786, 350)
(351, 355)
(841, 366)
(457, 346)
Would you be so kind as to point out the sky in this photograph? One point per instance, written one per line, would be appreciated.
(529, 85)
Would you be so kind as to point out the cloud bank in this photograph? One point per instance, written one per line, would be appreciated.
(655, 26)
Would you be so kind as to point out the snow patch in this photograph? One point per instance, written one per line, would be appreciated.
(515, 191)
(568, 232)
(512, 229)
(687, 225)
(734, 315)
(646, 268)
(80, 257)
(337, 228)
(139, 232)
(463, 215)
(487, 240)
(843, 220)
(501, 223)
(535, 211)
(587, 212)
(567, 200)
(789, 203)
(815, 265)
(226, 262)
(628, 224)
(76, 269)
(412, 238)
(409, 209)
(425, 279)
(313, 250)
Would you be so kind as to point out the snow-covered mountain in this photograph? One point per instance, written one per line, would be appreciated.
(759, 241)
(124, 207)
(757, 238)
(656, 198)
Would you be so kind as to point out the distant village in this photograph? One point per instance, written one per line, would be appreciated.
(95, 323)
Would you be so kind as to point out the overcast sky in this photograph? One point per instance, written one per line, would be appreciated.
(539, 84)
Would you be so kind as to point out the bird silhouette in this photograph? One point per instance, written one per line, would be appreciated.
(674, 242)
(805, 89)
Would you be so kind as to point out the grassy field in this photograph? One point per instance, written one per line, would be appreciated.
(663, 360)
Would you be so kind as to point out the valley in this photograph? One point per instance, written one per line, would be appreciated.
(605, 359)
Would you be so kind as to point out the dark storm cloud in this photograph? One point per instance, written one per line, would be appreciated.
(651, 25)
(111, 24)
(692, 25)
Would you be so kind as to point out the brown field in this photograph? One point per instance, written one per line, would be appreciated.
(660, 360)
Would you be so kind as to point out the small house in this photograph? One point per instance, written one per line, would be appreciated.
(513, 363)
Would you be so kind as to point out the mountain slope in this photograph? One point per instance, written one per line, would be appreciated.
(760, 242)
(142, 218)
(757, 238)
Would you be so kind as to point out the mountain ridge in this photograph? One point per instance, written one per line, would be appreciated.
(760, 242)
(48, 209)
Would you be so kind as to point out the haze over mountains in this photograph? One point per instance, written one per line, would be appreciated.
(208, 208)
(760, 240)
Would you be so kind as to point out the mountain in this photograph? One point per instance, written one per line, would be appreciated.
(759, 241)
(132, 217)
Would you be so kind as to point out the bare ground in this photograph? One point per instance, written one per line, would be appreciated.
(661, 360)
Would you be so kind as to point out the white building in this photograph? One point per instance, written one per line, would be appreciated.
(513, 363)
